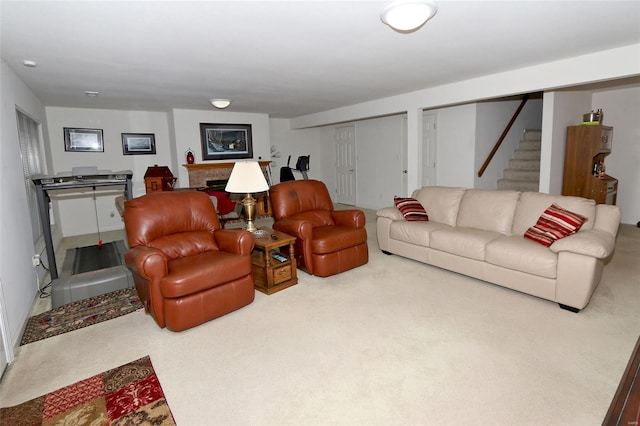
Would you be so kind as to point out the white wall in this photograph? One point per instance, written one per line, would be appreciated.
(590, 68)
(491, 119)
(621, 109)
(456, 145)
(186, 124)
(17, 278)
(561, 109)
(379, 162)
(295, 143)
(328, 157)
(76, 207)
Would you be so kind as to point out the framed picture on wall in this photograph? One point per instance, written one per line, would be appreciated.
(226, 141)
(138, 143)
(83, 140)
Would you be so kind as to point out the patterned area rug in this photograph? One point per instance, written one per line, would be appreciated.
(80, 314)
(127, 395)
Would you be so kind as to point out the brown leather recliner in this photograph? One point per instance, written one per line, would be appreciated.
(328, 241)
(186, 269)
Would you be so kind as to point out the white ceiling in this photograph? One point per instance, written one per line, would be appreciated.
(286, 58)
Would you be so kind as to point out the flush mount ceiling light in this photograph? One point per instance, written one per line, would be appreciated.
(91, 93)
(407, 15)
(29, 63)
(220, 103)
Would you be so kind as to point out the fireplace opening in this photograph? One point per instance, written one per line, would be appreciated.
(217, 185)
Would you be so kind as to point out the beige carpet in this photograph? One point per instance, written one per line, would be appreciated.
(394, 342)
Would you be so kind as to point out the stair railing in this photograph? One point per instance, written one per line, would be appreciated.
(502, 136)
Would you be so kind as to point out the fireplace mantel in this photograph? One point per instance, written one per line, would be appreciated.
(200, 173)
(201, 166)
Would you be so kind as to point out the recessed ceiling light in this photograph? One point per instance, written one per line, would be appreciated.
(91, 93)
(220, 103)
(29, 63)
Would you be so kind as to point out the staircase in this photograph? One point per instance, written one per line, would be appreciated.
(523, 173)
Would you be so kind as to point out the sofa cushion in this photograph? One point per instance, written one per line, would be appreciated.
(554, 223)
(411, 209)
(418, 233)
(440, 202)
(519, 254)
(464, 242)
(488, 210)
(532, 204)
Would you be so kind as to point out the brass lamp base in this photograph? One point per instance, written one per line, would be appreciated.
(249, 204)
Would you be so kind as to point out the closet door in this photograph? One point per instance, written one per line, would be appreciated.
(429, 146)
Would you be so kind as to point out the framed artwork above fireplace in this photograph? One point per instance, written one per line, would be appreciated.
(226, 141)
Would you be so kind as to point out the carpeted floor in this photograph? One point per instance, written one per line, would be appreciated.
(394, 342)
(126, 395)
(83, 313)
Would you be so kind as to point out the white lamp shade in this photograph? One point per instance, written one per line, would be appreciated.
(407, 15)
(246, 177)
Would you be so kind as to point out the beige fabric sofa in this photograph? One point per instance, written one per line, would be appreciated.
(480, 233)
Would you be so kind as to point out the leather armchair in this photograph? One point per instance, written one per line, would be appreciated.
(328, 241)
(186, 269)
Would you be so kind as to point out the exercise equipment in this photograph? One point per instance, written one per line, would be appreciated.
(87, 271)
(302, 166)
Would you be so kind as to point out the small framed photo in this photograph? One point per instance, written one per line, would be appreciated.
(138, 143)
(83, 140)
(225, 141)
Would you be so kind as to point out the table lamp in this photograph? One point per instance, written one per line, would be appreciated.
(247, 177)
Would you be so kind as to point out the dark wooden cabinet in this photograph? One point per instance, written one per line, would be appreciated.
(585, 151)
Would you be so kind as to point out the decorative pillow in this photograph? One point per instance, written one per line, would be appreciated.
(554, 223)
(411, 209)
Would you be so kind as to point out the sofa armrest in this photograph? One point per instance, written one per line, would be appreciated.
(390, 213)
(350, 218)
(607, 218)
(234, 240)
(592, 242)
(147, 262)
(296, 228)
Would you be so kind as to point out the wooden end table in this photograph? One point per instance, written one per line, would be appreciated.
(269, 274)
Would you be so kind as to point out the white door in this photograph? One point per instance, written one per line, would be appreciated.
(345, 140)
(429, 146)
(405, 160)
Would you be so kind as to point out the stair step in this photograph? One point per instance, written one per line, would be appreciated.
(526, 154)
(523, 175)
(532, 134)
(518, 185)
(524, 164)
(535, 145)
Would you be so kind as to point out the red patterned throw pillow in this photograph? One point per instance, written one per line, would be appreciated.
(411, 209)
(554, 223)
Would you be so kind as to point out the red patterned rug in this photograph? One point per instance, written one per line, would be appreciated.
(127, 395)
(80, 314)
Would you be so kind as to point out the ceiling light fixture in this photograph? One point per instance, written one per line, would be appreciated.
(407, 15)
(220, 103)
(29, 63)
(91, 93)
